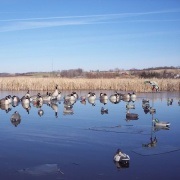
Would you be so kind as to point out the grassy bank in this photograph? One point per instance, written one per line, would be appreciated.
(44, 84)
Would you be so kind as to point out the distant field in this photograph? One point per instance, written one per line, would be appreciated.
(48, 84)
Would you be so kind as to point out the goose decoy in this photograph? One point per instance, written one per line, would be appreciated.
(133, 96)
(115, 98)
(55, 93)
(4, 100)
(103, 98)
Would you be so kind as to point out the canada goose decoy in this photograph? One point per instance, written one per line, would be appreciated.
(125, 97)
(133, 96)
(46, 98)
(91, 98)
(4, 100)
(115, 98)
(15, 99)
(15, 118)
(9, 99)
(55, 93)
(103, 98)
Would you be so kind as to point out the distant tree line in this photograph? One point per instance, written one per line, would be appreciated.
(157, 72)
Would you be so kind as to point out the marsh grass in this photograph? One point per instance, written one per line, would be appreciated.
(48, 84)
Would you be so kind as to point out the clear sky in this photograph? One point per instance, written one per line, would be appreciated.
(46, 35)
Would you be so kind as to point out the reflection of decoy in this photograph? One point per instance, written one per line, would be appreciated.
(6, 107)
(83, 100)
(55, 108)
(104, 110)
(152, 143)
(131, 116)
(68, 110)
(40, 112)
(145, 105)
(161, 123)
(169, 101)
(130, 106)
(115, 98)
(158, 128)
(145, 101)
(179, 102)
(152, 110)
(121, 158)
(15, 118)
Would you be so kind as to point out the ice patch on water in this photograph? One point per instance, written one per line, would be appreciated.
(130, 129)
(43, 169)
(146, 151)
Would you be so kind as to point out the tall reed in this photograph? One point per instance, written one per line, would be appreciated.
(45, 84)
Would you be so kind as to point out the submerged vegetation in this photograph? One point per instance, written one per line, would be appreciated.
(120, 84)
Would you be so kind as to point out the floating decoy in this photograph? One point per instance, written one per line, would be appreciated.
(4, 100)
(115, 98)
(56, 92)
(122, 158)
(161, 123)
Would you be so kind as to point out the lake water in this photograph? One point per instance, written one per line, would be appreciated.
(81, 144)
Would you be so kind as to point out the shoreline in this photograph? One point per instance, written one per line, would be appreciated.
(49, 83)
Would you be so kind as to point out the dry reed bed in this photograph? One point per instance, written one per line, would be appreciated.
(48, 84)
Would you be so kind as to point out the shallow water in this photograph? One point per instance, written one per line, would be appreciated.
(82, 144)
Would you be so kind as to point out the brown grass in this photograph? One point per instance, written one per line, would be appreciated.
(44, 84)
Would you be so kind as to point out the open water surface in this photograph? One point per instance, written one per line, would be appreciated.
(81, 144)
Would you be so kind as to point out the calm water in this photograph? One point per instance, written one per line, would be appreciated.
(81, 145)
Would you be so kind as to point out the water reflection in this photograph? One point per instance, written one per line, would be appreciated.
(101, 125)
(15, 119)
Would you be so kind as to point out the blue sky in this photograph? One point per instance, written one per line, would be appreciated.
(41, 35)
